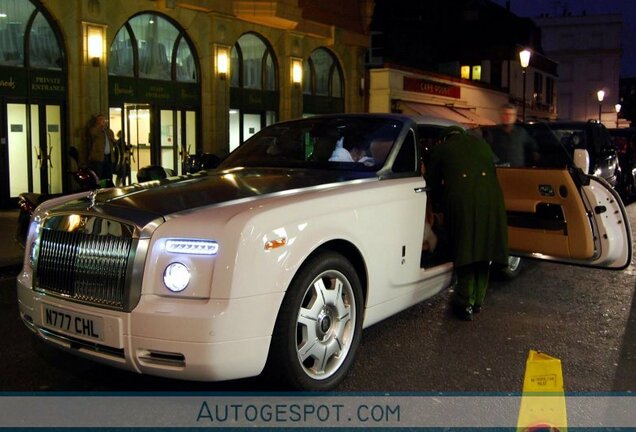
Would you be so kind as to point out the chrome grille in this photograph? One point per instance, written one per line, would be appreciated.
(90, 268)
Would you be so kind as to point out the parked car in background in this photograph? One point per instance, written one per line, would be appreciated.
(277, 259)
(625, 142)
(552, 137)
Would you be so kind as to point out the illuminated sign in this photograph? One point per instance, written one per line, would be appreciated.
(431, 87)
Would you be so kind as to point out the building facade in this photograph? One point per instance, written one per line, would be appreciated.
(412, 92)
(174, 78)
(462, 43)
(588, 50)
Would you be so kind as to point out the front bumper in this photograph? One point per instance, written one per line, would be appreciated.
(202, 340)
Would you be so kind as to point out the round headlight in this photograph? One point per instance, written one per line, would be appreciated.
(32, 253)
(176, 277)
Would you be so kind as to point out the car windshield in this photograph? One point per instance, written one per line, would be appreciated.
(351, 143)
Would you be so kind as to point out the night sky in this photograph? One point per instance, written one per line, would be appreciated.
(533, 8)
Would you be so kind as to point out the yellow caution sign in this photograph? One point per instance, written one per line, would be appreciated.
(543, 399)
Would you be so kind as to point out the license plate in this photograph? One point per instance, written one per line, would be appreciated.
(73, 323)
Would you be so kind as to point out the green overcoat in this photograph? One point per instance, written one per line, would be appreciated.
(461, 173)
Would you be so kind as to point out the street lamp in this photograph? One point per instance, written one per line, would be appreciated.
(600, 95)
(617, 107)
(524, 59)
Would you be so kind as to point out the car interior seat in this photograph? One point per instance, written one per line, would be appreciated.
(323, 147)
(380, 148)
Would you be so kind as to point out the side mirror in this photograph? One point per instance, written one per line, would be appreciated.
(582, 160)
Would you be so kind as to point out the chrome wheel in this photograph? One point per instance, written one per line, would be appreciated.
(325, 324)
(319, 325)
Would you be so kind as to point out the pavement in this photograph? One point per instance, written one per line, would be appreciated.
(11, 253)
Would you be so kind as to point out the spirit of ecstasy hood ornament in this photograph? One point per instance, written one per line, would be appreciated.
(92, 195)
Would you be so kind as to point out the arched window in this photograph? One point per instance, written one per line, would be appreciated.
(322, 75)
(323, 90)
(149, 46)
(23, 25)
(253, 65)
(253, 88)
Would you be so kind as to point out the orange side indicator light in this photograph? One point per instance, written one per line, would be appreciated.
(274, 244)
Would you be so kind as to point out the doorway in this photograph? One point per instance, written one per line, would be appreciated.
(177, 138)
(244, 125)
(175, 131)
(31, 153)
(134, 123)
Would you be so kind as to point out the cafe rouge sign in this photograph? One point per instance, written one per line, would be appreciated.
(17, 82)
(431, 87)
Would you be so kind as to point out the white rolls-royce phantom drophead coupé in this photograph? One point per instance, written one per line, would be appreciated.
(309, 232)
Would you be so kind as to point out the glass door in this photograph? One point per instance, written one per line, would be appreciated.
(177, 138)
(23, 160)
(52, 149)
(138, 135)
(34, 148)
(244, 125)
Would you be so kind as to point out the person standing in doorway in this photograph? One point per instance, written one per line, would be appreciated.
(122, 160)
(100, 146)
(510, 142)
(462, 175)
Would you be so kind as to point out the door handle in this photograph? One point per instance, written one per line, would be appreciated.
(546, 190)
(38, 155)
(421, 189)
(49, 150)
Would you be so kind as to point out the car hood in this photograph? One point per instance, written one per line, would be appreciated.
(146, 202)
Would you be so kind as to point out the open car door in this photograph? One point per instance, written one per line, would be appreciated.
(563, 215)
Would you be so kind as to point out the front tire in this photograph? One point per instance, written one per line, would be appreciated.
(318, 329)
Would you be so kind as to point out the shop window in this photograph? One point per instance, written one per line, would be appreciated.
(21, 21)
(322, 75)
(234, 67)
(120, 61)
(465, 72)
(336, 83)
(155, 41)
(186, 67)
(44, 50)
(252, 64)
(158, 48)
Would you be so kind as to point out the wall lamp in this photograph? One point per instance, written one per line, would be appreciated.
(222, 60)
(94, 43)
(296, 71)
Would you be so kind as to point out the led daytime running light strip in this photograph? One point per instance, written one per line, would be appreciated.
(192, 247)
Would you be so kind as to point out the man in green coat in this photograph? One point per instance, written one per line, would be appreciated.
(462, 174)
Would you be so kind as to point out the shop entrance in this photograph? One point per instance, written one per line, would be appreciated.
(244, 125)
(30, 150)
(154, 136)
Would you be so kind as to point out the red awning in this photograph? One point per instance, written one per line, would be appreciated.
(473, 116)
(439, 111)
(459, 115)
